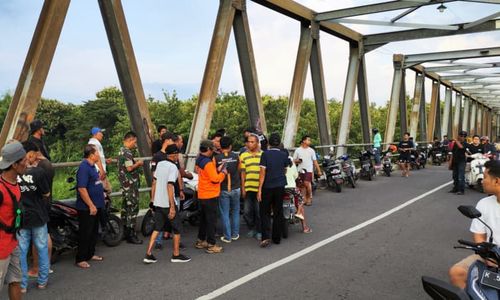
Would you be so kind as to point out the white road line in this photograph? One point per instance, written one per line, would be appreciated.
(263, 270)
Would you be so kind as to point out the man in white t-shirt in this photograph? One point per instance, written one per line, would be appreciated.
(97, 136)
(165, 205)
(306, 161)
(490, 214)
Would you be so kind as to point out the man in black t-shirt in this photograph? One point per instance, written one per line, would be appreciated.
(458, 163)
(405, 147)
(35, 192)
(36, 136)
(157, 144)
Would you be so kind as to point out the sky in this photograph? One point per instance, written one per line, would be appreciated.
(171, 41)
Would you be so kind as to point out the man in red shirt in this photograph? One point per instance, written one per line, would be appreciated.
(12, 163)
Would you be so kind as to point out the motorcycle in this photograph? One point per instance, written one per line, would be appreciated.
(63, 226)
(348, 170)
(423, 153)
(291, 200)
(474, 171)
(188, 208)
(387, 163)
(333, 172)
(414, 160)
(483, 281)
(437, 156)
(367, 169)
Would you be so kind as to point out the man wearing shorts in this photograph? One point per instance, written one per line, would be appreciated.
(405, 147)
(305, 158)
(490, 209)
(165, 206)
(12, 164)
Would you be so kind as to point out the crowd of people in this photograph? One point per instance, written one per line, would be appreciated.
(257, 174)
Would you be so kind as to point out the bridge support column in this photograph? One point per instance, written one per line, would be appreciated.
(456, 115)
(393, 108)
(466, 114)
(445, 126)
(128, 74)
(318, 82)
(433, 112)
(402, 104)
(35, 70)
(248, 69)
(349, 93)
(364, 102)
(298, 83)
(415, 108)
(473, 117)
(479, 119)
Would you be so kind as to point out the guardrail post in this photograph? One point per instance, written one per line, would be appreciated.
(35, 70)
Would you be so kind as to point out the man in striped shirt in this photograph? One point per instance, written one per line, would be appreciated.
(249, 166)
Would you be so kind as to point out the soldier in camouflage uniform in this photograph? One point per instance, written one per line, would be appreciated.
(128, 174)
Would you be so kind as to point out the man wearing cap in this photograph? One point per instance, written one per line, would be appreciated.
(209, 180)
(12, 164)
(96, 139)
(128, 174)
(37, 132)
(488, 148)
(457, 164)
(166, 205)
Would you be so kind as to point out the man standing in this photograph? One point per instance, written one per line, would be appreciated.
(35, 192)
(209, 179)
(377, 146)
(96, 139)
(37, 132)
(12, 164)
(128, 174)
(272, 182)
(405, 147)
(250, 172)
(457, 163)
(229, 200)
(305, 157)
(89, 203)
(165, 205)
(156, 146)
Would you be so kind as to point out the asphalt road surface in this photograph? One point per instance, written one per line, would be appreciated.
(382, 258)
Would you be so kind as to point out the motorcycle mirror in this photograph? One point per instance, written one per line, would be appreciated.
(469, 211)
(331, 148)
(70, 179)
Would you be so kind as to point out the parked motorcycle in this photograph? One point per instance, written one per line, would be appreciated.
(474, 171)
(348, 170)
(291, 200)
(63, 226)
(437, 156)
(367, 169)
(423, 153)
(333, 173)
(189, 208)
(387, 163)
(483, 281)
(414, 160)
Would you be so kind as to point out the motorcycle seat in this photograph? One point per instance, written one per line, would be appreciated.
(68, 203)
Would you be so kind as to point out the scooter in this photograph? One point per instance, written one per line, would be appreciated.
(474, 174)
(387, 163)
(63, 226)
(348, 170)
(189, 208)
(483, 281)
(422, 156)
(414, 160)
(333, 172)
(437, 156)
(367, 169)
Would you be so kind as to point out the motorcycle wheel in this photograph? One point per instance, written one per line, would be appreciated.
(113, 232)
(351, 181)
(338, 188)
(55, 256)
(286, 224)
(369, 176)
(330, 182)
(387, 172)
(480, 185)
(194, 221)
(148, 223)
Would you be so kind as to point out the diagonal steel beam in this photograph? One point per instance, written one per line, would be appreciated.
(405, 13)
(373, 8)
(482, 20)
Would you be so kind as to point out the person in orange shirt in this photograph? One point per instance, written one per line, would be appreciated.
(209, 179)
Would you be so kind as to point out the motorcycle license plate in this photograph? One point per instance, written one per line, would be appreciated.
(438, 155)
(336, 176)
(491, 279)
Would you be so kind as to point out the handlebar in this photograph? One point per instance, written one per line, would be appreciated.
(467, 243)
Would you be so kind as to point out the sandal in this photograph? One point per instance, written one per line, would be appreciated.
(42, 286)
(265, 243)
(307, 230)
(83, 265)
(97, 258)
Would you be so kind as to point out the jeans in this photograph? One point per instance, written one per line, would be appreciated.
(40, 238)
(272, 198)
(251, 212)
(229, 208)
(208, 220)
(459, 176)
(376, 154)
(87, 234)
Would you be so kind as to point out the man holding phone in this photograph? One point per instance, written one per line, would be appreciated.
(305, 158)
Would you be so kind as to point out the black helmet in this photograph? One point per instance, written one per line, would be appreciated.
(463, 133)
(375, 130)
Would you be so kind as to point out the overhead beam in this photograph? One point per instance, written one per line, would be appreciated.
(380, 39)
(460, 54)
(482, 20)
(392, 24)
(36, 67)
(373, 8)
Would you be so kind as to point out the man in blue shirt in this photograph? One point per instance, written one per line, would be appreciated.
(272, 182)
(89, 202)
